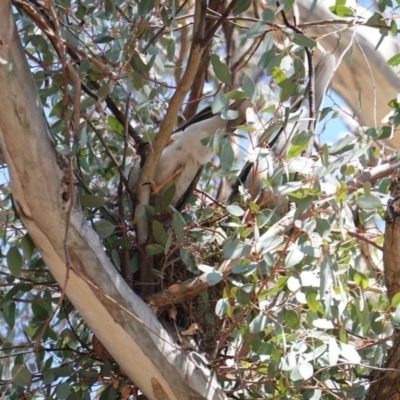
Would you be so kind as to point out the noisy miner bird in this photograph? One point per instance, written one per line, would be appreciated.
(253, 173)
(183, 158)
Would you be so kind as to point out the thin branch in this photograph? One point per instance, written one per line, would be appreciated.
(149, 169)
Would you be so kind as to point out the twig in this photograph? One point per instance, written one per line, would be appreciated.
(125, 258)
(311, 72)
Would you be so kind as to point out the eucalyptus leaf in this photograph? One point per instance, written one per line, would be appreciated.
(221, 70)
(159, 233)
(258, 324)
(89, 200)
(214, 277)
(104, 228)
(21, 375)
(14, 261)
(369, 202)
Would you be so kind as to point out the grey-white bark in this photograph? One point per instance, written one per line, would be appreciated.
(39, 181)
(364, 79)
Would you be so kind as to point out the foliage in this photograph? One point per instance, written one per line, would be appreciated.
(302, 315)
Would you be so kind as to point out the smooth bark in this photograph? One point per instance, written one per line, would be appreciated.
(364, 79)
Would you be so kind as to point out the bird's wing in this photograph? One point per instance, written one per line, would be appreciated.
(206, 113)
(240, 106)
(202, 115)
(184, 133)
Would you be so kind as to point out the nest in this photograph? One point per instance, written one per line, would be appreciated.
(200, 309)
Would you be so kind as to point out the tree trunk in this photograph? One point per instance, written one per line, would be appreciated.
(386, 382)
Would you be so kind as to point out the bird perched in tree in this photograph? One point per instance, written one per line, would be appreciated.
(253, 173)
(183, 158)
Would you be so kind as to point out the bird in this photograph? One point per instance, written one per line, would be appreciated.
(253, 173)
(183, 158)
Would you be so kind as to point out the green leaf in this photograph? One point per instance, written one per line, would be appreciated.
(292, 319)
(104, 228)
(214, 277)
(227, 156)
(369, 202)
(245, 269)
(235, 210)
(90, 200)
(171, 49)
(377, 19)
(27, 246)
(136, 80)
(236, 95)
(178, 225)
(279, 75)
(306, 370)
(342, 11)
(313, 4)
(236, 250)
(341, 145)
(288, 4)
(267, 244)
(14, 261)
(268, 15)
(153, 249)
(221, 308)
(256, 30)
(293, 258)
(115, 125)
(249, 86)
(303, 41)
(243, 297)
(258, 324)
(349, 353)
(219, 103)
(8, 309)
(89, 102)
(382, 4)
(266, 58)
(367, 188)
(109, 8)
(312, 302)
(165, 198)
(394, 61)
(221, 70)
(145, 7)
(159, 233)
(396, 300)
(39, 311)
(361, 280)
(21, 375)
(299, 143)
(393, 28)
(241, 6)
(63, 390)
